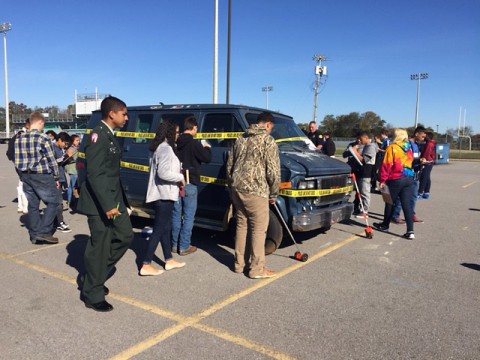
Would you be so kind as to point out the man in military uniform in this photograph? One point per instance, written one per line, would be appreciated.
(103, 200)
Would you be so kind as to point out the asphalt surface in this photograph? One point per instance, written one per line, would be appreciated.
(355, 298)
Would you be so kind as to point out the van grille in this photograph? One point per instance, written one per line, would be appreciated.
(331, 182)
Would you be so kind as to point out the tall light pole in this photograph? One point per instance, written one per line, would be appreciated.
(418, 77)
(215, 53)
(229, 36)
(4, 28)
(319, 72)
(267, 89)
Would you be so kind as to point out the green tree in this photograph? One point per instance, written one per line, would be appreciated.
(349, 125)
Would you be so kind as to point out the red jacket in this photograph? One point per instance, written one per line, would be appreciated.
(429, 150)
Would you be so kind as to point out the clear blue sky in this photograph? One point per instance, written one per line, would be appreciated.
(150, 51)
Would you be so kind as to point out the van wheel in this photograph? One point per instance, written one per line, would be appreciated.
(274, 234)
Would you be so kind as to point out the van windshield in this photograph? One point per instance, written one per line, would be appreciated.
(284, 131)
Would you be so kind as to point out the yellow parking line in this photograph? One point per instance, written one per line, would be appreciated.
(43, 270)
(42, 248)
(473, 182)
(193, 320)
(246, 343)
(188, 321)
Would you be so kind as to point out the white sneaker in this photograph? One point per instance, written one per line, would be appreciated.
(63, 228)
(409, 236)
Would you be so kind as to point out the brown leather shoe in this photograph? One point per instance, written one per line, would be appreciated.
(265, 274)
(191, 249)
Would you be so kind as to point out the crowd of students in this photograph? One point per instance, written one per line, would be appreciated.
(400, 168)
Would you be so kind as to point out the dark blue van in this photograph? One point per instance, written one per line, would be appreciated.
(314, 191)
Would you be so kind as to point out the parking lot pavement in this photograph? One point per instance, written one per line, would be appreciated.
(356, 298)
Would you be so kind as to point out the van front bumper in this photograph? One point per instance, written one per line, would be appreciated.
(323, 218)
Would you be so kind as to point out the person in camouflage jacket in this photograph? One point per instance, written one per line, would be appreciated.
(253, 176)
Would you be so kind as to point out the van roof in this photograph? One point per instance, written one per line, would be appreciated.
(201, 107)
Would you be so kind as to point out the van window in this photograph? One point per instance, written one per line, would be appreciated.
(221, 125)
(177, 118)
(284, 128)
(143, 124)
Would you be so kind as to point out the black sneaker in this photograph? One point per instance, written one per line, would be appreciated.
(409, 235)
(63, 228)
(49, 239)
(380, 226)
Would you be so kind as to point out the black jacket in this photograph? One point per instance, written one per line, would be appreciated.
(328, 147)
(191, 154)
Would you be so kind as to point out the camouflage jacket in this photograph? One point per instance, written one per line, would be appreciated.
(253, 166)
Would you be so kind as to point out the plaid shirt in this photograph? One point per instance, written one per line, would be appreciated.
(33, 152)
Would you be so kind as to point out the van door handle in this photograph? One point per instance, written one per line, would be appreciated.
(126, 148)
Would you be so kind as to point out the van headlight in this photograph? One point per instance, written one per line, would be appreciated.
(307, 184)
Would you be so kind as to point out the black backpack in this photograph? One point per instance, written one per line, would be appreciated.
(11, 147)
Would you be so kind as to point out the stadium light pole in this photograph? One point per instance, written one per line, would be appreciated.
(4, 28)
(267, 89)
(418, 77)
(319, 72)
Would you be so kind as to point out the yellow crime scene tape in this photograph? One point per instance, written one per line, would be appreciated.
(223, 182)
(200, 136)
(129, 134)
(315, 193)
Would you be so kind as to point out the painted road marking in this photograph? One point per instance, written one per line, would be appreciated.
(193, 320)
(473, 182)
(184, 322)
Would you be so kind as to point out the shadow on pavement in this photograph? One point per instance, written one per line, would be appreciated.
(211, 242)
(471, 266)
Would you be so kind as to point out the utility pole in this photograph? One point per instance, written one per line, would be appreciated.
(319, 72)
(215, 53)
(229, 35)
(3, 29)
(418, 77)
(267, 89)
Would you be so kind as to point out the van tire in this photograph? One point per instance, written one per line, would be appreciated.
(274, 234)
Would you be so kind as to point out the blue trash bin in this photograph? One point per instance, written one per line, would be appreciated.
(443, 153)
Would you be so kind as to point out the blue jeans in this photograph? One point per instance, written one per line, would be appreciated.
(162, 231)
(400, 189)
(186, 207)
(425, 181)
(413, 202)
(71, 186)
(40, 187)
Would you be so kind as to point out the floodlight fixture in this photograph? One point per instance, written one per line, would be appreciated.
(267, 89)
(418, 77)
